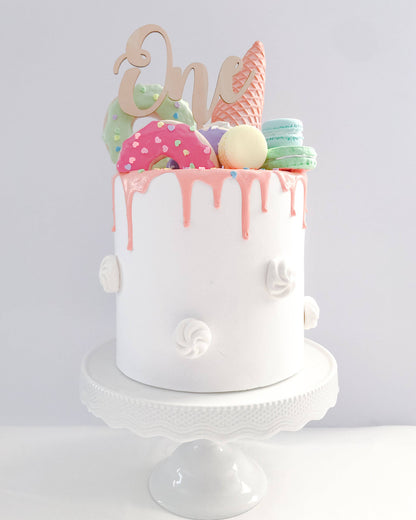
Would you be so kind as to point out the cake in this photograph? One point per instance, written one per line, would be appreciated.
(209, 225)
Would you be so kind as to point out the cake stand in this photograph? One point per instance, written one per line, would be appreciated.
(206, 477)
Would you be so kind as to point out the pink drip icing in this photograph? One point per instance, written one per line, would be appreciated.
(215, 178)
(139, 181)
(245, 180)
(132, 183)
(289, 181)
(264, 189)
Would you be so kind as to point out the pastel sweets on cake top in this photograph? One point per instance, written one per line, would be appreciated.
(118, 125)
(243, 146)
(284, 139)
(208, 269)
(291, 158)
(283, 132)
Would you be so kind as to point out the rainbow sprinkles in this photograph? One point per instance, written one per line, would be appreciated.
(173, 143)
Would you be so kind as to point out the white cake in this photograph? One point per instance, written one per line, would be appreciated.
(208, 271)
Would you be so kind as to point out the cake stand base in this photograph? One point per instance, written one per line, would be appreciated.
(205, 479)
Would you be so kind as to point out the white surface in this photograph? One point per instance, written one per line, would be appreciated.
(347, 72)
(260, 413)
(203, 480)
(314, 474)
(208, 272)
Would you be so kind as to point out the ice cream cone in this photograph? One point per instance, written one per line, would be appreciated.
(249, 108)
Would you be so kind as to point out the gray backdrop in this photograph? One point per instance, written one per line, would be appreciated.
(347, 69)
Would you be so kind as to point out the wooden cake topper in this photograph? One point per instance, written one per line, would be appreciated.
(175, 79)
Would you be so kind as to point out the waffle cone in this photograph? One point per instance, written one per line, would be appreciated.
(249, 108)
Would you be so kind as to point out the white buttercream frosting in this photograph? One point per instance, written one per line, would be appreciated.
(280, 279)
(109, 274)
(193, 338)
(230, 296)
(311, 312)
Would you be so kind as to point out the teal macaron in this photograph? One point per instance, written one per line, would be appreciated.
(291, 158)
(283, 132)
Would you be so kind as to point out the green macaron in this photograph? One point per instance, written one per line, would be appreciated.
(291, 157)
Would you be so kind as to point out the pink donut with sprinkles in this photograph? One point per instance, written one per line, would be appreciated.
(160, 139)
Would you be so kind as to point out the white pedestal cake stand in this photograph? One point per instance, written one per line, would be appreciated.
(204, 478)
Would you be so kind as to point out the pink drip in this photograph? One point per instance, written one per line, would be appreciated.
(215, 178)
(132, 182)
(186, 184)
(245, 179)
(245, 183)
(217, 190)
(289, 181)
(264, 188)
(139, 181)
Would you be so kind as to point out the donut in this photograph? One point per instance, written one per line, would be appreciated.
(283, 132)
(178, 141)
(242, 146)
(118, 125)
(291, 157)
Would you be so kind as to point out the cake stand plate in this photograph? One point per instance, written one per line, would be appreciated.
(204, 478)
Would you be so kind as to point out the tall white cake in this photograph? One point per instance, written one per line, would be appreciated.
(209, 262)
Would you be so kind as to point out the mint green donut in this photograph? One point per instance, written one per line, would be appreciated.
(291, 157)
(118, 125)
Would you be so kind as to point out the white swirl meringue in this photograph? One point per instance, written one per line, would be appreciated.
(109, 274)
(280, 279)
(311, 313)
(193, 338)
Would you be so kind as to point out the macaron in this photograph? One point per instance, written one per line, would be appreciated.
(214, 132)
(242, 146)
(283, 132)
(291, 157)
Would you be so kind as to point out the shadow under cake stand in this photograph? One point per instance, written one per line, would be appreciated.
(206, 478)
